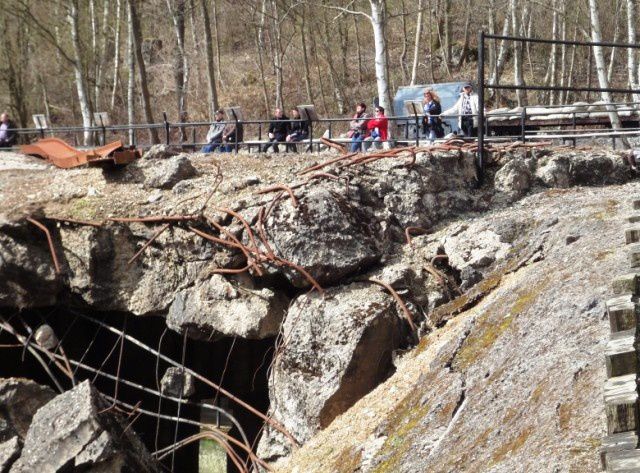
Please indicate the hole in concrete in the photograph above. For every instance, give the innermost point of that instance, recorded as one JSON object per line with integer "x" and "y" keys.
{"x": 239, "y": 365}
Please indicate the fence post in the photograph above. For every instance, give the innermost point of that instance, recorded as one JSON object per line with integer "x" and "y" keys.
{"x": 480, "y": 159}
{"x": 523, "y": 119}
{"x": 166, "y": 128}
{"x": 310, "y": 126}
{"x": 417, "y": 128}
{"x": 235, "y": 135}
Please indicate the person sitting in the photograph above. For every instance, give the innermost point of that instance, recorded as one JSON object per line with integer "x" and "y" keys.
{"x": 214, "y": 136}
{"x": 377, "y": 129}
{"x": 232, "y": 134}
{"x": 431, "y": 122}
{"x": 298, "y": 131}
{"x": 358, "y": 127}
{"x": 278, "y": 130}
{"x": 8, "y": 135}
{"x": 466, "y": 108}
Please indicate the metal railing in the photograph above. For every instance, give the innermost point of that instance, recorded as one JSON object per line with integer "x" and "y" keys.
{"x": 482, "y": 37}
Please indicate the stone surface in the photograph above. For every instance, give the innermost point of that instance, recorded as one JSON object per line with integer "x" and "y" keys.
{"x": 178, "y": 383}
{"x": 338, "y": 348}
{"x": 326, "y": 234}
{"x": 19, "y": 400}
{"x": 76, "y": 429}
{"x": 160, "y": 152}
{"x": 231, "y": 307}
{"x": 166, "y": 174}
{"x": 514, "y": 178}
{"x": 9, "y": 453}
{"x": 513, "y": 383}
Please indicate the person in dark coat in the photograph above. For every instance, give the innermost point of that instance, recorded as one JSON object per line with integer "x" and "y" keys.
{"x": 278, "y": 130}
{"x": 8, "y": 135}
{"x": 431, "y": 122}
{"x": 298, "y": 131}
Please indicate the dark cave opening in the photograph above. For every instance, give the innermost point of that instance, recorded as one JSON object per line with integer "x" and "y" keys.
{"x": 238, "y": 365}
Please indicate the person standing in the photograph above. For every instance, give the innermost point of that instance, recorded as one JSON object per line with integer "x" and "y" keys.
{"x": 431, "y": 122}
{"x": 467, "y": 110}
{"x": 358, "y": 127}
{"x": 8, "y": 134}
{"x": 278, "y": 130}
{"x": 377, "y": 129}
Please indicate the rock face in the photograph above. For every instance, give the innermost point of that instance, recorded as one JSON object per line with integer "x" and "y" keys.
{"x": 233, "y": 307}
{"x": 326, "y": 234}
{"x": 338, "y": 348}
{"x": 75, "y": 429}
{"x": 19, "y": 401}
{"x": 166, "y": 174}
{"x": 178, "y": 383}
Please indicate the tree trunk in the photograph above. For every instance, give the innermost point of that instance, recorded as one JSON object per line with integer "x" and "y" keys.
{"x": 180, "y": 68}
{"x": 83, "y": 99}
{"x": 305, "y": 54}
{"x": 358, "y": 50}
{"x": 632, "y": 61}
{"x": 616, "y": 33}
{"x": 465, "y": 44}
{"x": 131, "y": 81}
{"x": 518, "y": 78}
{"x": 563, "y": 53}
{"x": 378, "y": 23}
{"x": 217, "y": 35}
{"x": 261, "y": 47}
{"x": 276, "y": 45}
{"x": 596, "y": 36}
{"x": 335, "y": 80}
{"x": 494, "y": 78}
{"x": 142, "y": 70}
{"x": 211, "y": 73}
{"x": 550, "y": 77}
{"x": 416, "y": 43}
{"x": 405, "y": 45}
{"x": 116, "y": 55}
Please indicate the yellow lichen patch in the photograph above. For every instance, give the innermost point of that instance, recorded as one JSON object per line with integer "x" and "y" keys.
{"x": 402, "y": 422}
{"x": 348, "y": 460}
{"x": 510, "y": 447}
{"x": 609, "y": 210}
{"x": 536, "y": 395}
{"x": 487, "y": 330}
{"x": 83, "y": 209}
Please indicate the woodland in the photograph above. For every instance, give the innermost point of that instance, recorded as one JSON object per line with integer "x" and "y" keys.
{"x": 136, "y": 59}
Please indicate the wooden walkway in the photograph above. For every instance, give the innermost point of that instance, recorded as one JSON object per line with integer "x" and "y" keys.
{"x": 620, "y": 452}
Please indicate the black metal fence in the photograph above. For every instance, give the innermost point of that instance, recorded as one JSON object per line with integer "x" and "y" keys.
{"x": 482, "y": 85}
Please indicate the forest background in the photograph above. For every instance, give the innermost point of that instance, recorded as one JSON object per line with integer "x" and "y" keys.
{"x": 138, "y": 58}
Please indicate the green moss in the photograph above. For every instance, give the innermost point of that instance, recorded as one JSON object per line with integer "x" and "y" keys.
{"x": 84, "y": 209}
{"x": 403, "y": 423}
{"x": 487, "y": 330}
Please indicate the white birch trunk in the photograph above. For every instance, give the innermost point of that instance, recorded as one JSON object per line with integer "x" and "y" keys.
{"x": 116, "y": 54}
{"x": 83, "y": 99}
{"x": 596, "y": 36}
{"x": 502, "y": 52}
{"x": 378, "y": 20}
{"x": 277, "y": 52}
{"x": 131, "y": 82}
{"x": 632, "y": 59}
{"x": 416, "y": 44}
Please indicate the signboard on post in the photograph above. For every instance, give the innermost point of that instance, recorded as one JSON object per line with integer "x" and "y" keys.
{"x": 101, "y": 119}
{"x": 308, "y": 113}
{"x": 40, "y": 121}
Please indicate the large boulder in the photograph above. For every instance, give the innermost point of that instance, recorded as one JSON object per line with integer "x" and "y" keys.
{"x": 231, "y": 307}
{"x": 167, "y": 173}
{"x": 19, "y": 400}
{"x": 77, "y": 428}
{"x": 514, "y": 178}
{"x": 554, "y": 171}
{"x": 339, "y": 347}
{"x": 327, "y": 234}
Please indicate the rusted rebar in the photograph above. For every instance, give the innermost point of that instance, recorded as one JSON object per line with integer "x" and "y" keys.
{"x": 398, "y": 299}
{"x": 151, "y": 240}
{"x": 52, "y": 250}
{"x": 415, "y": 230}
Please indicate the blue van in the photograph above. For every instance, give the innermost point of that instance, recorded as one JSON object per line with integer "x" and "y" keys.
{"x": 449, "y": 93}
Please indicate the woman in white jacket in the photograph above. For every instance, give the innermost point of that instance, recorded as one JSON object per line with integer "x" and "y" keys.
{"x": 467, "y": 110}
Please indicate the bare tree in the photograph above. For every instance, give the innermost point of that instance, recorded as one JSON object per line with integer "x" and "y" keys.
{"x": 180, "y": 66}
{"x": 416, "y": 43}
{"x": 211, "y": 77}
{"x": 596, "y": 37}
{"x": 116, "y": 54}
{"x": 142, "y": 70}
{"x": 632, "y": 58}
{"x": 78, "y": 68}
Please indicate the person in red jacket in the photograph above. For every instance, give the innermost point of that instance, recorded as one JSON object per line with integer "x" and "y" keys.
{"x": 377, "y": 129}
